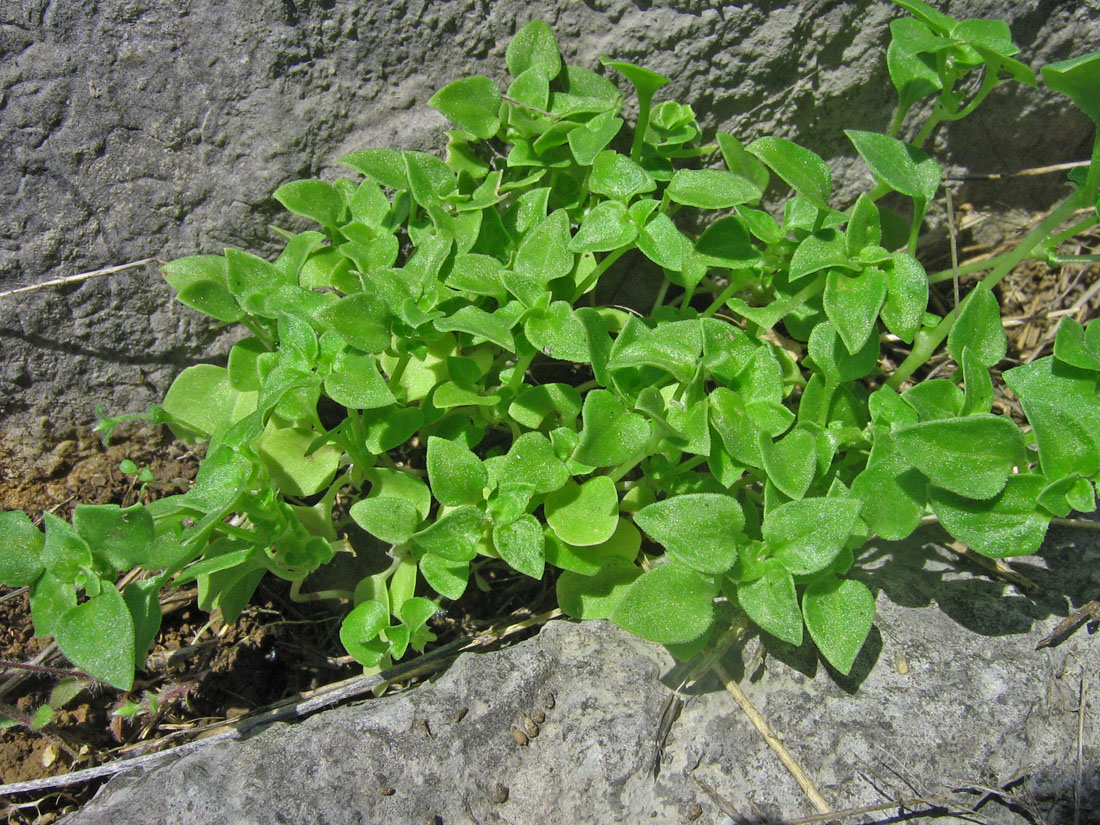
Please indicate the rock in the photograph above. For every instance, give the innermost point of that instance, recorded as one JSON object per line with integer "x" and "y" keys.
{"x": 949, "y": 692}
{"x": 137, "y": 129}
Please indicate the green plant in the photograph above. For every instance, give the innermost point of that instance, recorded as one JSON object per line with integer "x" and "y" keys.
{"x": 433, "y": 366}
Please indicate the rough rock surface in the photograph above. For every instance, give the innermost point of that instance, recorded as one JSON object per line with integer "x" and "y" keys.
{"x": 140, "y": 128}
{"x": 949, "y": 692}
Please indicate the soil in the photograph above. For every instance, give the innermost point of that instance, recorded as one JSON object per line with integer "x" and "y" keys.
{"x": 279, "y": 647}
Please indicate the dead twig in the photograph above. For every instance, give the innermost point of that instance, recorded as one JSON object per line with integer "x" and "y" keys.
{"x": 83, "y": 276}
{"x": 1065, "y": 628}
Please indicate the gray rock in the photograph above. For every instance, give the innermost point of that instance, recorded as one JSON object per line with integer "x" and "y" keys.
{"x": 949, "y": 692}
{"x": 141, "y": 128}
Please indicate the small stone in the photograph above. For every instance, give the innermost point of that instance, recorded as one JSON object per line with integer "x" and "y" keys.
{"x": 499, "y": 794}
{"x": 459, "y": 715}
{"x": 538, "y": 716}
{"x": 386, "y": 790}
{"x": 694, "y": 811}
{"x": 519, "y": 736}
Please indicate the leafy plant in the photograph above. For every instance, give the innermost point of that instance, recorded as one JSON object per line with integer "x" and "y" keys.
{"x": 432, "y": 364}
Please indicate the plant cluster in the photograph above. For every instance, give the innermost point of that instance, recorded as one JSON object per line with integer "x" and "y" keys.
{"x": 430, "y": 383}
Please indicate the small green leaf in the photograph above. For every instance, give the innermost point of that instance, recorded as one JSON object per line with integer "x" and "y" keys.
{"x": 833, "y": 358}
{"x": 356, "y": 383}
{"x": 544, "y": 253}
{"x": 201, "y": 401}
{"x": 532, "y": 406}
{"x": 453, "y": 536}
{"x": 392, "y": 520}
{"x": 21, "y": 545}
{"x": 979, "y": 386}
{"x": 456, "y": 475}
{"x": 534, "y": 46}
{"x": 791, "y": 461}
{"x": 645, "y": 81}
{"x": 892, "y": 495}
{"x": 1078, "y": 79}
{"x": 610, "y": 434}
{"x": 902, "y": 167}
{"x": 661, "y": 242}
{"x": 294, "y": 466}
{"x": 772, "y": 603}
{"x": 589, "y": 140}
{"x": 1078, "y": 346}
{"x": 445, "y": 577}
{"x": 98, "y": 637}
{"x": 980, "y": 328}
{"x": 645, "y": 607}
{"x": 314, "y": 199}
{"x": 824, "y": 249}
{"x": 805, "y": 536}
{"x": 360, "y": 319}
{"x": 64, "y": 552}
{"x": 852, "y": 303}
{"x": 741, "y": 162}
{"x": 359, "y": 632}
{"x": 386, "y": 166}
{"x": 864, "y": 227}
{"x": 472, "y": 102}
{"x": 803, "y": 170}
{"x": 531, "y": 460}
{"x": 711, "y": 189}
{"x": 839, "y": 614}
{"x": 521, "y": 544}
{"x": 605, "y": 228}
{"x": 124, "y": 537}
{"x": 1010, "y": 524}
{"x": 596, "y": 596}
{"x": 971, "y": 456}
{"x": 906, "y": 296}
{"x": 584, "y": 514}
{"x": 617, "y": 176}
{"x": 50, "y": 599}
{"x": 699, "y": 530}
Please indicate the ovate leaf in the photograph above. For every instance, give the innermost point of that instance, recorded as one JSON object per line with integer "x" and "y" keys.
{"x": 669, "y": 604}
{"x": 805, "y": 536}
{"x": 839, "y": 614}
{"x": 697, "y": 529}
{"x": 98, "y": 637}
{"x": 1010, "y": 524}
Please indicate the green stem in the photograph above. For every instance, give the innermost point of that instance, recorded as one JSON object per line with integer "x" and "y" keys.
{"x": 662, "y": 291}
{"x": 925, "y": 345}
{"x": 600, "y": 269}
{"x": 645, "y": 104}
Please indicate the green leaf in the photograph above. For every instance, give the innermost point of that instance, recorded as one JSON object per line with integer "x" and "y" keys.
{"x": 979, "y": 327}
{"x": 935, "y": 398}
{"x": 661, "y": 242}
{"x": 911, "y": 61}
{"x": 447, "y": 578}
{"x": 852, "y": 303}
{"x": 456, "y": 475}
{"x": 605, "y": 228}
{"x": 824, "y": 249}
{"x": 21, "y": 545}
{"x": 356, "y": 383}
{"x": 50, "y": 599}
{"x": 864, "y": 226}
{"x": 361, "y": 319}
{"x": 386, "y": 166}
{"x": 790, "y": 462}
{"x": 971, "y": 456}
{"x": 201, "y": 402}
{"x": 610, "y": 434}
{"x": 617, "y": 176}
{"x": 726, "y": 243}
{"x": 359, "y": 632}
{"x": 805, "y": 536}
{"x": 803, "y": 170}
{"x": 772, "y": 603}
{"x": 741, "y": 162}
{"x": 1078, "y": 346}
{"x": 534, "y": 46}
{"x": 544, "y": 253}
{"x": 645, "y": 607}
{"x": 839, "y": 614}
{"x": 1078, "y": 79}
{"x": 892, "y": 495}
{"x": 906, "y": 296}
{"x": 584, "y": 514}
{"x": 833, "y": 358}
{"x": 531, "y": 460}
{"x": 711, "y": 189}
{"x": 589, "y": 140}
{"x": 521, "y": 544}
{"x": 453, "y": 536}
{"x": 1010, "y": 524}
{"x": 98, "y": 637}
{"x": 901, "y": 166}
{"x": 390, "y": 519}
{"x": 294, "y": 466}
{"x": 124, "y": 537}
{"x": 478, "y": 322}
{"x": 596, "y": 596}
{"x": 645, "y": 81}
{"x": 472, "y": 102}
{"x": 143, "y": 601}
{"x": 698, "y": 530}
{"x": 1063, "y": 407}
{"x": 979, "y": 386}
{"x": 64, "y": 552}
{"x": 313, "y": 199}
{"x": 532, "y": 406}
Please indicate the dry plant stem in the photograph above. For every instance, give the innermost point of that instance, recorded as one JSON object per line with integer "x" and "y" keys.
{"x": 761, "y": 724}
{"x": 72, "y": 279}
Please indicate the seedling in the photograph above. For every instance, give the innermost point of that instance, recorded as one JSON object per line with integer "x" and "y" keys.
{"x": 436, "y": 362}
